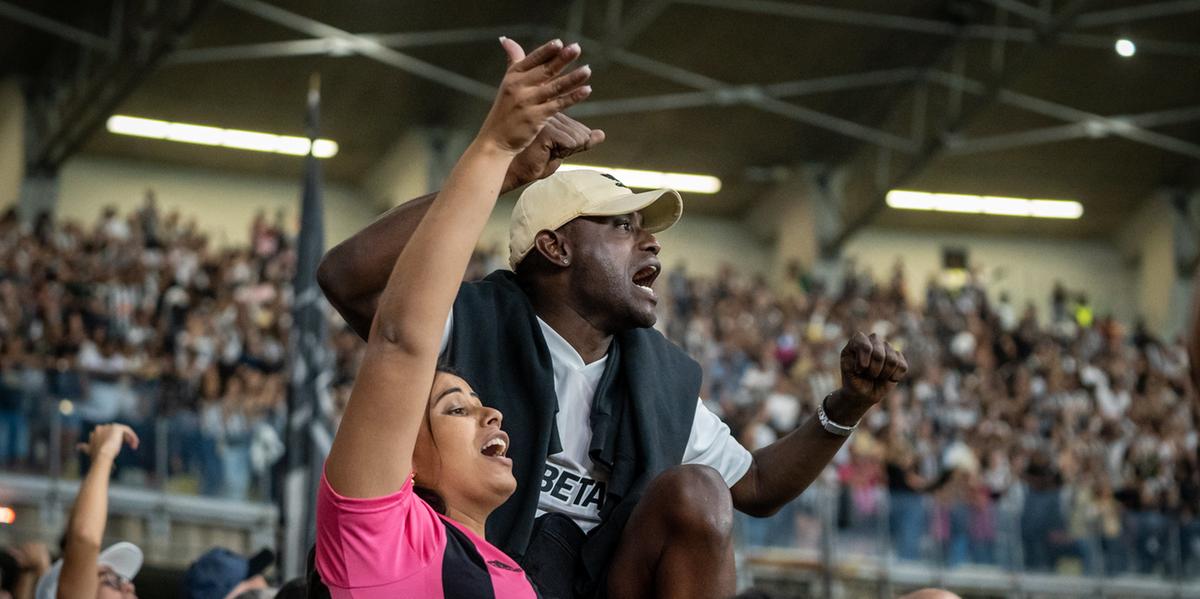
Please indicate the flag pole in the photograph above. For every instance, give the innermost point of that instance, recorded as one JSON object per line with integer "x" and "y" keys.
{"x": 311, "y": 367}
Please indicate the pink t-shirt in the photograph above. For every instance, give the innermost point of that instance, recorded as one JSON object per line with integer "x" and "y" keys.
{"x": 398, "y": 546}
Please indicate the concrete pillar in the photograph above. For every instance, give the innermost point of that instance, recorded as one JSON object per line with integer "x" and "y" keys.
{"x": 801, "y": 213}
{"x": 415, "y": 165}
{"x": 1160, "y": 244}
{"x": 39, "y": 194}
{"x": 12, "y": 142}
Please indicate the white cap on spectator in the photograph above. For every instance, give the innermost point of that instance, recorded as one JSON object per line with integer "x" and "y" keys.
{"x": 124, "y": 558}
{"x": 564, "y": 196}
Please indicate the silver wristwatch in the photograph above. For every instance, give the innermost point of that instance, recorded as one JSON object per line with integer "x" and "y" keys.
{"x": 830, "y": 426}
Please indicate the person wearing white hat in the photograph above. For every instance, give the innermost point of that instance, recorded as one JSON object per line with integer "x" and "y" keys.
{"x": 85, "y": 571}
{"x": 116, "y": 567}
{"x": 609, "y": 434}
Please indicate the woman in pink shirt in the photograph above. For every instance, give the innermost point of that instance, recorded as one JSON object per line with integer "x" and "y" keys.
{"x": 412, "y": 434}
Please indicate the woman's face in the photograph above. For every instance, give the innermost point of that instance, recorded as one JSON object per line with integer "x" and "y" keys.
{"x": 460, "y": 453}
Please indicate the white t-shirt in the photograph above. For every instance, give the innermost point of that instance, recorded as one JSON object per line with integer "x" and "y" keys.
{"x": 571, "y": 484}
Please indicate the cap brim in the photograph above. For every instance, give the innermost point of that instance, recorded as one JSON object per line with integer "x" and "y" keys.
{"x": 124, "y": 558}
{"x": 660, "y": 208}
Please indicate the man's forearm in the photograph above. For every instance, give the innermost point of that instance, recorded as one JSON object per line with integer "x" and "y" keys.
{"x": 784, "y": 469}
{"x": 355, "y": 271}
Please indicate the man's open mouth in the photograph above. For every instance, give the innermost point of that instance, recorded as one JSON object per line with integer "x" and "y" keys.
{"x": 645, "y": 277}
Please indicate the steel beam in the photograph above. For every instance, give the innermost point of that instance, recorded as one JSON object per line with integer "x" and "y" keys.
{"x": 1078, "y": 130}
{"x": 1144, "y": 46}
{"x": 751, "y": 97}
{"x": 831, "y": 15}
{"x": 724, "y": 96}
{"x": 990, "y": 91}
{"x": 1023, "y": 35}
{"x": 1020, "y": 8}
{"x": 333, "y": 46}
{"x": 366, "y": 47}
{"x": 1100, "y": 125}
{"x": 1142, "y": 11}
{"x": 62, "y": 123}
{"x": 636, "y": 24}
{"x": 53, "y": 27}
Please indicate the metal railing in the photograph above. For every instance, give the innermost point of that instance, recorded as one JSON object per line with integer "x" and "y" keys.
{"x": 830, "y": 543}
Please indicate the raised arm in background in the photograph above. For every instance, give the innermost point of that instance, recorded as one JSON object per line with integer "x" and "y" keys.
{"x": 372, "y": 451}
{"x": 85, "y": 530}
{"x": 353, "y": 273}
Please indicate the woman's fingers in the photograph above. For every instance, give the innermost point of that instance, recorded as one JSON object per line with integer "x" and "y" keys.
{"x": 566, "y": 101}
{"x": 513, "y": 51}
{"x": 562, "y": 84}
{"x": 522, "y": 63}
{"x": 558, "y": 62}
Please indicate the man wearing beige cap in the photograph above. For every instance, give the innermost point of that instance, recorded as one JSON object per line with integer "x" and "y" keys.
{"x": 626, "y": 483}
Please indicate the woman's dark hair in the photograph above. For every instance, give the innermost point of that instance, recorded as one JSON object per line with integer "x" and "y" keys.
{"x": 431, "y": 497}
{"x": 425, "y": 493}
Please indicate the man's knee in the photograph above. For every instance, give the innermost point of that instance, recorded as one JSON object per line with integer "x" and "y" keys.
{"x": 931, "y": 594}
{"x": 694, "y": 501}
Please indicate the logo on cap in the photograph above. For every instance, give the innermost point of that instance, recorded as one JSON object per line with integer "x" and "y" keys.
{"x": 615, "y": 180}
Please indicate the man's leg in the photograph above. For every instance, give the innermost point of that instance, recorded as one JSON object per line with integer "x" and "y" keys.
{"x": 679, "y": 540}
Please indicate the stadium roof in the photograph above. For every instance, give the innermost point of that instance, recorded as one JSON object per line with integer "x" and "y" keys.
{"x": 1001, "y": 97}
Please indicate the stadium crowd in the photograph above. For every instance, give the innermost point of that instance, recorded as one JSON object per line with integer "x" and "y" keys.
{"x": 140, "y": 319}
{"x": 1071, "y": 434}
{"x": 1016, "y": 441}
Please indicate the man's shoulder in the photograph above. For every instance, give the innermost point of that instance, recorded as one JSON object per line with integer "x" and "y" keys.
{"x": 493, "y": 299}
{"x": 495, "y": 283}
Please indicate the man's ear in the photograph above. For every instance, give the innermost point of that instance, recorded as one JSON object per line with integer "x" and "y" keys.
{"x": 554, "y": 247}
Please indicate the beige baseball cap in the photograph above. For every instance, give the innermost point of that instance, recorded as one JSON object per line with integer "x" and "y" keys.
{"x": 564, "y": 196}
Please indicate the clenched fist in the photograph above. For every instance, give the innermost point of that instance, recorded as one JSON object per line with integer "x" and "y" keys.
{"x": 870, "y": 370}
{"x": 562, "y": 136}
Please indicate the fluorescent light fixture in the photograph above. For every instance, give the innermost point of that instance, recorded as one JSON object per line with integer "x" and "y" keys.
{"x": 655, "y": 179}
{"x": 996, "y": 205}
{"x": 215, "y": 136}
{"x": 1125, "y": 47}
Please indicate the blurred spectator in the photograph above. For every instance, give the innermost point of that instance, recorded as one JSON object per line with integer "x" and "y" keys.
{"x": 223, "y": 574}
{"x": 20, "y": 569}
{"x": 138, "y": 319}
{"x": 1054, "y": 437}
{"x": 1072, "y": 434}
{"x": 85, "y": 571}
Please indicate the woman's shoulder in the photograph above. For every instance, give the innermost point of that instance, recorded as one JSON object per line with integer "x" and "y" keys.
{"x": 376, "y": 540}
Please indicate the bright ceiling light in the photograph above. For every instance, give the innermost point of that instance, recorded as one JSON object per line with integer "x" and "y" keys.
{"x": 655, "y": 179}
{"x": 994, "y": 205}
{"x": 1125, "y": 47}
{"x": 215, "y": 136}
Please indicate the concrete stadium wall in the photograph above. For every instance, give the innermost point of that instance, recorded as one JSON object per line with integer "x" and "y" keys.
{"x": 12, "y": 142}
{"x": 223, "y": 204}
{"x": 1025, "y": 267}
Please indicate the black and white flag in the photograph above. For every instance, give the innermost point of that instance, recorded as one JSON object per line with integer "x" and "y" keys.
{"x": 310, "y": 405}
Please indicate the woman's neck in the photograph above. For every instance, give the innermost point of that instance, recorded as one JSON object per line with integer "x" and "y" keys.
{"x": 474, "y": 520}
